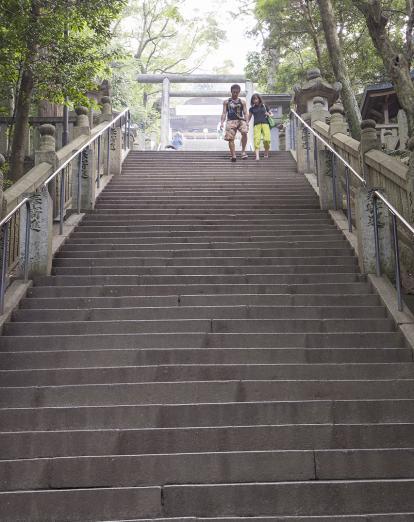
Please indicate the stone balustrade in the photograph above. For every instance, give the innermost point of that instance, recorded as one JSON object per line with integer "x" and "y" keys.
{"x": 49, "y": 203}
{"x": 393, "y": 178}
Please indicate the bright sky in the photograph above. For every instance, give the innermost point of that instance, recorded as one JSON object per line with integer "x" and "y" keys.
{"x": 238, "y": 44}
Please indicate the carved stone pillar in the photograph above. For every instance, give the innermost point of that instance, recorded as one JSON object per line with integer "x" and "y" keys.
{"x": 41, "y": 233}
{"x": 106, "y": 109}
{"x": 364, "y": 216}
{"x": 314, "y": 88}
{"x": 82, "y": 127}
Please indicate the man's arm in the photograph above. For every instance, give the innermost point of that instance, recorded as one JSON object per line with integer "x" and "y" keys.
{"x": 224, "y": 113}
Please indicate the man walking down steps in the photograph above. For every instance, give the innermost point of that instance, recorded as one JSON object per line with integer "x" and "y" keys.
{"x": 205, "y": 349}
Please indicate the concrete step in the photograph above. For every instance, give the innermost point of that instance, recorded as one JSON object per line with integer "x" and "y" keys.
{"x": 107, "y": 357}
{"x": 127, "y": 326}
{"x": 195, "y": 392}
{"x": 203, "y": 372}
{"x": 233, "y": 300}
{"x": 187, "y": 271}
{"x": 153, "y": 441}
{"x": 188, "y": 253}
{"x": 199, "y": 312}
{"x": 297, "y": 498}
{"x": 227, "y": 261}
{"x": 108, "y": 290}
{"x": 346, "y": 411}
{"x": 199, "y": 280}
{"x": 205, "y": 468}
{"x": 80, "y": 505}
{"x": 336, "y": 242}
{"x": 171, "y": 340}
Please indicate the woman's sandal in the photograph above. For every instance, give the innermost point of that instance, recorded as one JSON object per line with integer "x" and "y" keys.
{"x": 245, "y": 156}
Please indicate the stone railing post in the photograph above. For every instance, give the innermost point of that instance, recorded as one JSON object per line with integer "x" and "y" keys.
{"x": 410, "y": 180}
{"x": 282, "y": 139}
{"x": 330, "y": 170}
{"x": 364, "y": 215}
{"x": 2, "y": 202}
{"x": 88, "y": 167}
{"x": 41, "y": 207}
{"x": 322, "y": 158}
{"x": 106, "y": 109}
{"x": 302, "y": 142}
{"x": 115, "y": 139}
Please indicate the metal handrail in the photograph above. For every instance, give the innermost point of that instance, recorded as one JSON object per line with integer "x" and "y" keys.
{"x": 4, "y": 222}
{"x": 85, "y": 146}
{"x": 375, "y": 195}
{"x": 13, "y": 212}
{"x": 392, "y": 209}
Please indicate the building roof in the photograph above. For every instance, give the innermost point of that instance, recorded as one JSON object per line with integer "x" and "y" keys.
{"x": 379, "y": 91}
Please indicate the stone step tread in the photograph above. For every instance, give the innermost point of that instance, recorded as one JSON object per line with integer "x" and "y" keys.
{"x": 171, "y": 340}
{"x": 321, "y": 411}
{"x": 136, "y": 470}
{"x": 331, "y": 300}
{"x": 89, "y": 313}
{"x": 100, "y": 289}
{"x": 196, "y": 392}
{"x": 90, "y": 442}
{"x": 56, "y": 375}
{"x": 31, "y": 358}
{"x": 225, "y": 325}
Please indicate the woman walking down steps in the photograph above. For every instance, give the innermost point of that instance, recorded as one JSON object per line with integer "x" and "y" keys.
{"x": 260, "y": 113}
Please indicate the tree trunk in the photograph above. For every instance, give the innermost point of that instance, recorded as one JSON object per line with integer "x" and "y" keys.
{"x": 20, "y": 128}
{"x": 23, "y": 103}
{"x": 395, "y": 62}
{"x": 352, "y": 111}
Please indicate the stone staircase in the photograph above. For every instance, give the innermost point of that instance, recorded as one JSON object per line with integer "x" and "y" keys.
{"x": 205, "y": 349}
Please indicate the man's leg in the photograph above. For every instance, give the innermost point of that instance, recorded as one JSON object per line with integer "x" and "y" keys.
{"x": 231, "y": 130}
{"x": 232, "y": 148}
{"x": 243, "y": 128}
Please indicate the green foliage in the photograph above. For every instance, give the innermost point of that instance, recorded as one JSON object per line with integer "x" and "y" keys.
{"x": 32, "y": 36}
{"x": 293, "y": 28}
{"x": 157, "y": 38}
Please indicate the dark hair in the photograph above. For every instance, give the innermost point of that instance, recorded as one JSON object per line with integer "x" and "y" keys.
{"x": 235, "y": 86}
{"x": 255, "y": 95}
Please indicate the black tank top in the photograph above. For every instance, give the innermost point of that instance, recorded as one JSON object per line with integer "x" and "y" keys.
{"x": 235, "y": 109}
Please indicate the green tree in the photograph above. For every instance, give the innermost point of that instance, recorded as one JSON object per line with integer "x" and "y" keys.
{"x": 391, "y": 27}
{"x": 294, "y": 30}
{"x": 158, "y": 39}
{"x": 37, "y": 61}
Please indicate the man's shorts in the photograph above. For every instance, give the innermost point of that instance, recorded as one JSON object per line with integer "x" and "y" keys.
{"x": 233, "y": 126}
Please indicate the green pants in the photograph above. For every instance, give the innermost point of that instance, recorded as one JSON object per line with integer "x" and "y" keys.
{"x": 261, "y": 129}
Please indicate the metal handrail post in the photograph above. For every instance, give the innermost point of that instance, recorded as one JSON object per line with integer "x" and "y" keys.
{"x": 27, "y": 241}
{"x": 376, "y": 236}
{"x": 334, "y": 194}
{"x": 62, "y": 201}
{"x": 79, "y": 187}
{"x": 5, "y": 258}
{"x": 397, "y": 262}
{"x": 348, "y": 199}
{"x": 98, "y": 179}
{"x": 307, "y": 145}
{"x": 125, "y": 133}
{"x": 108, "y": 153}
{"x": 315, "y": 159}
{"x": 129, "y": 127}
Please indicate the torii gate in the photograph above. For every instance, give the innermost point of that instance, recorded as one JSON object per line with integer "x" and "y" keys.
{"x": 167, "y": 79}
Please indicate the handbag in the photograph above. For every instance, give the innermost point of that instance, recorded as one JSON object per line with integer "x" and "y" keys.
{"x": 271, "y": 121}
